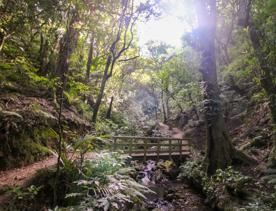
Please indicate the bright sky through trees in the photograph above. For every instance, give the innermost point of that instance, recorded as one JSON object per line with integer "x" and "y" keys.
{"x": 170, "y": 27}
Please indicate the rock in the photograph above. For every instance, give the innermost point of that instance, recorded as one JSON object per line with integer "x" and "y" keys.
{"x": 170, "y": 197}
{"x": 254, "y": 152}
{"x": 173, "y": 173}
{"x": 258, "y": 141}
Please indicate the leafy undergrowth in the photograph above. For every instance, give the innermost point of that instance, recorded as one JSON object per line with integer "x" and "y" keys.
{"x": 104, "y": 183}
{"x": 228, "y": 189}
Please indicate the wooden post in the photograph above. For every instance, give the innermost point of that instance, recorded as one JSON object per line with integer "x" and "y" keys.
{"x": 180, "y": 142}
{"x": 130, "y": 147}
{"x": 158, "y": 149}
{"x": 170, "y": 148}
{"x": 145, "y": 149}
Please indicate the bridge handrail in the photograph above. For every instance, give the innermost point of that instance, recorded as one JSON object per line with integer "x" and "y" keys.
{"x": 128, "y": 141}
{"x": 149, "y": 138}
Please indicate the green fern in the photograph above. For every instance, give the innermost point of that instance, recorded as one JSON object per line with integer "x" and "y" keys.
{"x": 114, "y": 194}
{"x": 106, "y": 184}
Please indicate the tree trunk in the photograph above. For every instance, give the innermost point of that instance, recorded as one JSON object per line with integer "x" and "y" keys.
{"x": 194, "y": 109}
{"x": 219, "y": 152}
{"x": 89, "y": 59}
{"x": 42, "y": 54}
{"x": 101, "y": 93}
{"x": 66, "y": 48}
{"x": 167, "y": 103}
{"x": 108, "y": 113}
{"x": 163, "y": 107}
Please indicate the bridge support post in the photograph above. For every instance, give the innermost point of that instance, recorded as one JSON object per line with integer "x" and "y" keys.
{"x": 170, "y": 149}
{"x": 130, "y": 147}
{"x": 145, "y": 150}
{"x": 158, "y": 149}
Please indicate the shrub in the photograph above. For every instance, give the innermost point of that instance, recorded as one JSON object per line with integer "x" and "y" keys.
{"x": 219, "y": 189}
{"x": 228, "y": 180}
{"x": 193, "y": 172}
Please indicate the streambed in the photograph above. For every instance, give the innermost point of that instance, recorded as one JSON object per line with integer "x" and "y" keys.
{"x": 171, "y": 194}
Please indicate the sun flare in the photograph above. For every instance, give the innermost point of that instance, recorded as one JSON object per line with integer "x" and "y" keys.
{"x": 170, "y": 27}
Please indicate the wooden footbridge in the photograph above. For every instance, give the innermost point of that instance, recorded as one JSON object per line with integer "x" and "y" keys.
{"x": 152, "y": 147}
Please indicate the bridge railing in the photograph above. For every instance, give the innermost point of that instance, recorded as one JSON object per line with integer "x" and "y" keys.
{"x": 151, "y": 146}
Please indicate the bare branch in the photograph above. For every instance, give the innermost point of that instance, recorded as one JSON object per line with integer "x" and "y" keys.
{"x": 128, "y": 59}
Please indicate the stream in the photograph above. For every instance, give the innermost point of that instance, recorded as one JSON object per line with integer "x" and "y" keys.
{"x": 171, "y": 194}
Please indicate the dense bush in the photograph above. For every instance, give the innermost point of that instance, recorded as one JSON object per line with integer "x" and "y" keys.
{"x": 225, "y": 188}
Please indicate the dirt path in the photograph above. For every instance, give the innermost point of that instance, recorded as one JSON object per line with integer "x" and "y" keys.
{"x": 18, "y": 176}
{"x": 21, "y": 176}
{"x": 171, "y": 132}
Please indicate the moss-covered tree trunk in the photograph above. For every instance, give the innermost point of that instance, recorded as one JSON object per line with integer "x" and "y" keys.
{"x": 219, "y": 152}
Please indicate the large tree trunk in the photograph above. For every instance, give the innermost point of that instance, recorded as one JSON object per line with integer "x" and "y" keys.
{"x": 102, "y": 88}
{"x": 219, "y": 152}
{"x": 67, "y": 46}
